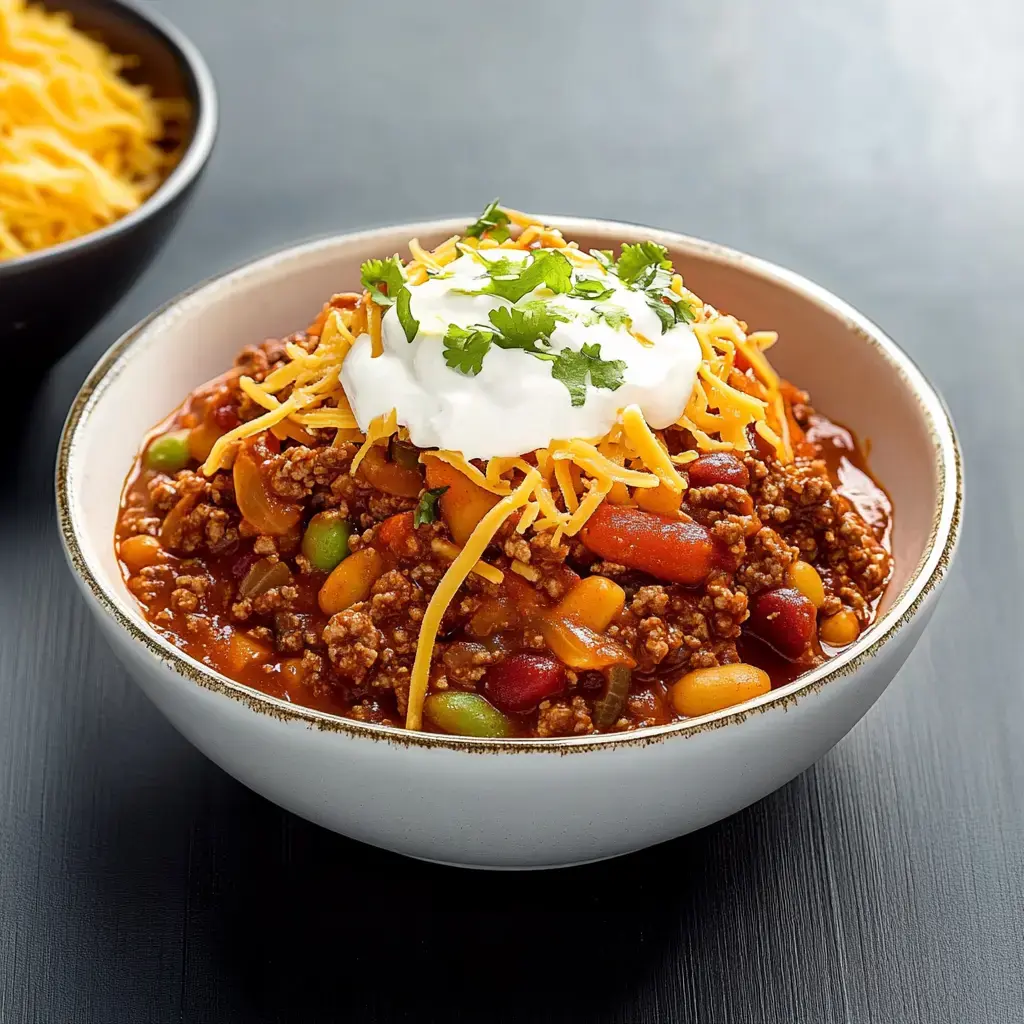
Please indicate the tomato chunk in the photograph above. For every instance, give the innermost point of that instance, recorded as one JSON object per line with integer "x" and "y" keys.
{"x": 678, "y": 550}
{"x": 396, "y": 532}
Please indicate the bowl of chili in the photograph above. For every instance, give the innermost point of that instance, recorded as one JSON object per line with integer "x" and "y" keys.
{"x": 272, "y": 607}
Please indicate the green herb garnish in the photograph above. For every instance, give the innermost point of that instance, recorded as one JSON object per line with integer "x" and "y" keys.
{"x": 388, "y": 273}
{"x": 645, "y": 267}
{"x": 590, "y": 288}
{"x": 670, "y": 313}
{"x": 426, "y": 510}
{"x": 524, "y": 327}
{"x": 613, "y": 315}
{"x": 639, "y": 264}
{"x": 493, "y": 222}
{"x": 409, "y": 324}
{"x": 512, "y": 279}
{"x": 573, "y": 368}
{"x": 465, "y": 348}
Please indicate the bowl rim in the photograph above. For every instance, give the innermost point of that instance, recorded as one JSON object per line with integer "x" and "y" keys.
{"x": 924, "y": 583}
{"x": 192, "y": 161}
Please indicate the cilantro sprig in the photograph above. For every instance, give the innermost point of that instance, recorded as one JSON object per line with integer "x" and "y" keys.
{"x": 525, "y": 327}
{"x": 590, "y": 288}
{"x": 639, "y": 264}
{"x": 409, "y": 323}
{"x": 426, "y": 510}
{"x": 645, "y": 267}
{"x": 385, "y": 281}
{"x": 614, "y": 315}
{"x": 529, "y": 329}
{"x": 465, "y": 348}
{"x": 512, "y": 279}
{"x": 574, "y": 369}
{"x": 493, "y": 222}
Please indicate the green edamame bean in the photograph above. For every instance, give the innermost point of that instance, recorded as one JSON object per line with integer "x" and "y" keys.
{"x": 465, "y": 714}
{"x": 169, "y": 452}
{"x": 325, "y": 542}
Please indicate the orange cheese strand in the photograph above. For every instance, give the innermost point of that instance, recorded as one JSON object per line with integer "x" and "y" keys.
{"x": 447, "y": 589}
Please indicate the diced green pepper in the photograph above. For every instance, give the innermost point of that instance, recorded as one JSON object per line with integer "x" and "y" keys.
{"x": 608, "y": 709}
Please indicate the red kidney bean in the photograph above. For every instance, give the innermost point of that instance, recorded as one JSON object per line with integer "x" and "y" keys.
{"x": 521, "y": 682}
{"x": 226, "y": 416}
{"x": 717, "y": 468}
{"x": 784, "y": 619}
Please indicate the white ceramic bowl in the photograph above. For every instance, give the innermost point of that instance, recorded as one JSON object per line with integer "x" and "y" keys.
{"x": 513, "y": 803}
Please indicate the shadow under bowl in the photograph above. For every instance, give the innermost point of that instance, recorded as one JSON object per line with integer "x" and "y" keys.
{"x": 514, "y": 803}
{"x": 51, "y": 298}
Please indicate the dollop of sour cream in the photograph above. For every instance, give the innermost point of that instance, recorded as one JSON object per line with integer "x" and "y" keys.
{"x": 514, "y": 405}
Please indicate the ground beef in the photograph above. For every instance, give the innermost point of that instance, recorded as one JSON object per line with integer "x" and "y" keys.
{"x": 466, "y": 663}
{"x": 297, "y": 472}
{"x": 564, "y": 718}
{"x": 767, "y": 558}
{"x": 362, "y": 657}
{"x": 353, "y": 643}
{"x": 187, "y": 593}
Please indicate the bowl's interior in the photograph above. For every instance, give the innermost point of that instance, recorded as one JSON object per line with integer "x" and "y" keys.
{"x": 853, "y": 374}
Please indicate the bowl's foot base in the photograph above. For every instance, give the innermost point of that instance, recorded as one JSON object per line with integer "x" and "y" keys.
{"x": 515, "y": 867}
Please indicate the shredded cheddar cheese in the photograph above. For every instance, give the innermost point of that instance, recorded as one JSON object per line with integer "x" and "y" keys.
{"x": 449, "y": 586}
{"x": 556, "y": 489}
{"x": 80, "y": 146}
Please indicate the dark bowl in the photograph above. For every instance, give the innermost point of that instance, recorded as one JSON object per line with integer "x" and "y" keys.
{"x": 51, "y": 298}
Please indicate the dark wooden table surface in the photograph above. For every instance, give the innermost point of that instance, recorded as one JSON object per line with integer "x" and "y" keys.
{"x": 876, "y": 147}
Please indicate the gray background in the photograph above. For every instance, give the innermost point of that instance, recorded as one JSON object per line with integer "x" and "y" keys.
{"x": 875, "y": 147}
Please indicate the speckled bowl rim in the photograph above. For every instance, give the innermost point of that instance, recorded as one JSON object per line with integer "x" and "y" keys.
{"x": 193, "y": 160}
{"x": 926, "y": 579}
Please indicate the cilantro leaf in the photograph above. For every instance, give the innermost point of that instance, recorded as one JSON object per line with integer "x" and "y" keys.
{"x": 493, "y": 222}
{"x": 574, "y": 368}
{"x": 604, "y": 257}
{"x": 560, "y": 313}
{"x": 639, "y": 263}
{"x": 666, "y": 314}
{"x": 684, "y": 312}
{"x": 426, "y": 510}
{"x": 409, "y": 324}
{"x": 514, "y": 279}
{"x": 388, "y": 273}
{"x": 613, "y": 315}
{"x": 524, "y": 327}
{"x": 675, "y": 311}
{"x": 465, "y": 348}
{"x": 645, "y": 267}
{"x": 590, "y": 288}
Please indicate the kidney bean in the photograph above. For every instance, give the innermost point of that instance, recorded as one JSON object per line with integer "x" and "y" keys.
{"x": 784, "y": 619}
{"x": 226, "y": 416}
{"x": 521, "y": 682}
{"x": 717, "y": 468}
